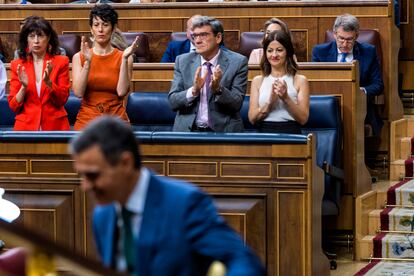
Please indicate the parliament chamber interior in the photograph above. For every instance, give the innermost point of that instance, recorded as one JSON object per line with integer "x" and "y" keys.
{"x": 289, "y": 197}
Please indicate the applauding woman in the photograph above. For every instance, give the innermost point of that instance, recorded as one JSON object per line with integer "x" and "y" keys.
{"x": 279, "y": 100}
{"x": 39, "y": 85}
{"x": 101, "y": 74}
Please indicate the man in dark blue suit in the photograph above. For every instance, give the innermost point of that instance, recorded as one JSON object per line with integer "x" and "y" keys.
{"x": 146, "y": 224}
{"x": 176, "y": 48}
{"x": 345, "y": 48}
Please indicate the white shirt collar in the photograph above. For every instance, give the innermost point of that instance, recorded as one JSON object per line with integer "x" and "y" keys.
{"x": 350, "y": 53}
{"x": 136, "y": 201}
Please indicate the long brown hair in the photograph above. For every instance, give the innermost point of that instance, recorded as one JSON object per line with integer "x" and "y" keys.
{"x": 284, "y": 39}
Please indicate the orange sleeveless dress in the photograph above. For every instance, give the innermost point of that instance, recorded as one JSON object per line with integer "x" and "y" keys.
{"x": 100, "y": 96}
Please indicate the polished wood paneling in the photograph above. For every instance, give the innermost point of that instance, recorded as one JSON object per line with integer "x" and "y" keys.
{"x": 247, "y": 215}
{"x": 324, "y": 79}
{"x": 271, "y": 214}
{"x": 159, "y": 20}
{"x": 49, "y": 212}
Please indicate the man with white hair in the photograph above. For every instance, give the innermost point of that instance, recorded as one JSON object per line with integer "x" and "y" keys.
{"x": 346, "y": 48}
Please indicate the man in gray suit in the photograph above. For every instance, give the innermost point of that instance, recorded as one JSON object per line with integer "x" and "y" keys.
{"x": 209, "y": 85}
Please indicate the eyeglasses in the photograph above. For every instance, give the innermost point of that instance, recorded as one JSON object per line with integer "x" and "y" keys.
{"x": 202, "y": 35}
{"x": 345, "y": 39}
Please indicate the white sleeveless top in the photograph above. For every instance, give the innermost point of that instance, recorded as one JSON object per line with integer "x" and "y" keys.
{"x": 279, "y": 112}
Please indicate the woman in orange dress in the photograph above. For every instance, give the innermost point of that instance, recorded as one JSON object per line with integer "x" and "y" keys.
{"x": 101, "y": 74}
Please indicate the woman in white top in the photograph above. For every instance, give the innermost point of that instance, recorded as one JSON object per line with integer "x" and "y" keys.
{"x": 279, "y": 98}
{"x": 273, "y": 24}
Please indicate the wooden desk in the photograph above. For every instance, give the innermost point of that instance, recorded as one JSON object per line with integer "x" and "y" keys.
{"x": 269, "y": 193}
{"x": 325, "y": 79}
{"x": 308, "y": 21}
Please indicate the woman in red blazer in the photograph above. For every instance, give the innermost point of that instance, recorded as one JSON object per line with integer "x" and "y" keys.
{"x": 39, "y": 85}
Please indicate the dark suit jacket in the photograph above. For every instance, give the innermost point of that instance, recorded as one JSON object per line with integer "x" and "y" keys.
{"x": 224, "y": 109}
{"x": 174, "y": 49}
{"x": 180, "y": 234}
{"x": 369, "y": 73}
{"x": 46, "y": 111}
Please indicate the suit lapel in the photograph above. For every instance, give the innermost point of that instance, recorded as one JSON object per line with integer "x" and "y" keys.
{"x": 31, "y": 75}
{"x": 223, "y": 61}
{"x": 43, "y": 97}
{"x": 195, "y": 62}
{"x": 151, "y": 225}
{"x": 109, "y": 239}
{"x": 356, "y": 52}
{"x": 333, "y": 53}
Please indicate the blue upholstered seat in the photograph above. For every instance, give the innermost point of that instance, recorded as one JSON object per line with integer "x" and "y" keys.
{"x": 6, "y": 115}
{"x": 325, "y": 121}
{"x": 150, "y": 111}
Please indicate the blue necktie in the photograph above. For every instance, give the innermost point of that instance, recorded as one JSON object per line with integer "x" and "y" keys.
{"x": 343, "y": 57}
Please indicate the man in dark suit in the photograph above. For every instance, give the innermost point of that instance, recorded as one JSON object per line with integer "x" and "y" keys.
{"x": 146, "y": 224}
{"x": 345, "y": 48}
{"x": 176, "y": 48}
{"x": 209, "y": 85}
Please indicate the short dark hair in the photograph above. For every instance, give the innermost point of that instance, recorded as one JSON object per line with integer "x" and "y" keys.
{"x": 215, "y": 25}
{"x": 104, "y": 12}
{"x": 113, "y": 136}
{"x": 38, "y": 25}
{"x": 284, "y": 39}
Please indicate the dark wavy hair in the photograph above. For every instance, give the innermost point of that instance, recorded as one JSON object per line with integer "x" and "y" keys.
{"x": 104, "y": 12}
{"x": 38, "y": 25}
{"x": 284, "y": 39}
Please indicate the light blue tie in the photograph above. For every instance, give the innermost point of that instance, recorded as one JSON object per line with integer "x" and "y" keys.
{"x": 343, "y": 57}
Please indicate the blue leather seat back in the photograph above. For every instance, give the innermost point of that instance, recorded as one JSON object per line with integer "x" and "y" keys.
{"x": 244, "y": 113}
{"x": 150, "y": 111}
{"x": 6, "y": 115}
{"x": 72, "y": 107}
{"x": 325, "y": 122}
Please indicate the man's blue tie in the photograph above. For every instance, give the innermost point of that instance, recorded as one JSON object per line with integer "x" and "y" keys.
{"x": 343, "y": 57}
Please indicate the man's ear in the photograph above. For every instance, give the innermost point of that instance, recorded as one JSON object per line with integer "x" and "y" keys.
{"x": 126, "y": 160}
{"x": 219, "y": 38}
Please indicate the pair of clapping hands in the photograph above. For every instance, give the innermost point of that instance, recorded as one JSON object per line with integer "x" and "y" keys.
{"x": 200, "y": 80}
{"x": 279, "y": 90}
{"x": 24, "y": 80}
{"x": 87, "y": 53}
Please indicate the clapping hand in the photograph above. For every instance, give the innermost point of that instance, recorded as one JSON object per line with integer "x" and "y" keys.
{"x": 85, "y": 50}
{"x": 215, "y": 83}
{"x": 22, "y": 75}
{"x": 46, "y": 74}
{"x": 280, "y": 88}
{"x": 130, "y": 50}
{"x": 198, "y": 81}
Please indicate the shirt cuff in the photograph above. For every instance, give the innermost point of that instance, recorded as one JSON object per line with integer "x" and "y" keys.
{"x": 189, "y": 95}
{"x": 364, "y": 90}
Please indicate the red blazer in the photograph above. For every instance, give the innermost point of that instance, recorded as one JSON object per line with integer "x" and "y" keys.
{"x": 46, "y": 112}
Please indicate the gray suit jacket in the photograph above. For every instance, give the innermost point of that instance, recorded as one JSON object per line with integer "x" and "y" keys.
{"x": 224, "y": 108}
